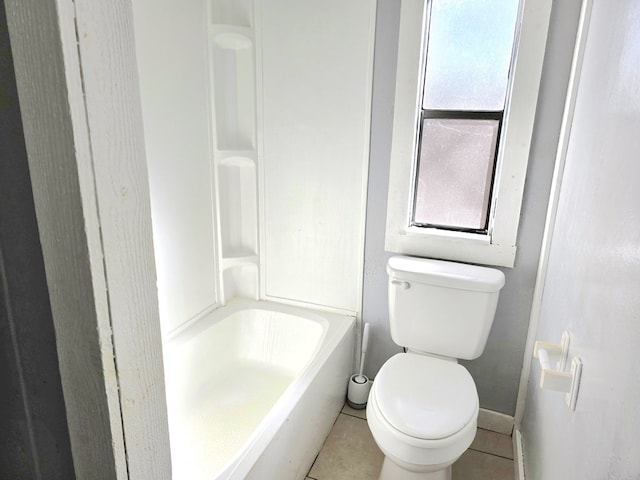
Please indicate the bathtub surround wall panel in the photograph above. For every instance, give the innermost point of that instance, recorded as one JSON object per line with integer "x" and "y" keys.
{"x": 592, "y": 281}
{"x": 497, "y": 371}
{"x": 316, "y": 95}
{"x": 171, "y": 46}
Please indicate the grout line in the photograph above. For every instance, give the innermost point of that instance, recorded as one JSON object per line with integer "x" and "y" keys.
{"x": 492, "y": 454}
{"x": 352, "y": 415}
{"x": 474, "y": 449}
{"x": 315, "y": 460}
{"x": 323, "y": 443}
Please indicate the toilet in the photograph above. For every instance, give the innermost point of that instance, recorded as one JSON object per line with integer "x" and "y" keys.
{"x": 423, "y": 406}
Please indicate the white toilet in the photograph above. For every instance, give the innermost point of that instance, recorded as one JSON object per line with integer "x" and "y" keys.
{"x": 423, "y": 406}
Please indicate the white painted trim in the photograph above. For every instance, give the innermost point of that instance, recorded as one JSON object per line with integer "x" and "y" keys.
{"x": 500, "y": 245}
{"x": 44, "y": 46}
{"x": 518, "y": 456}
{"x": 495, "y": 421}
{"x": 213, "y": 177}
{"x": 114, "y": 115}
{"x": 365, "y": 185}
{"x": 556, "y": 187}
{"x": 77, "y": 80}
{"x": 260, "y": 170}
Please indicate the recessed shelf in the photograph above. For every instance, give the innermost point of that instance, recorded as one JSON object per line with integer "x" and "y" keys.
{"x": 238, "y": 209}
{"x": 236, "y": 157}
{"x": 233, "y": 84}
{"x": 240, "y": 281}
{"x": 242, "y": 258}
{"x": 232, "y": 12}
{"x": 233, "y": 74}
{"x": 232, "y": 37}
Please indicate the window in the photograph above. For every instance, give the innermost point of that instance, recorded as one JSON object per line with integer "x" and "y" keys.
{"x": 466, "y": 90}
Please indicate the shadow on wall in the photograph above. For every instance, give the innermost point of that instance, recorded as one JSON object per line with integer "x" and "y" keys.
{"x": 34, "y": 440}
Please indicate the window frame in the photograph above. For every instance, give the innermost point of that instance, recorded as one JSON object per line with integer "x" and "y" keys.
{"x": 456, "y": 115}
{"x": 498, "y": 245}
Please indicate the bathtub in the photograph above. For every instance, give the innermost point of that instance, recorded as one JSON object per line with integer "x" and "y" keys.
{"x": 253, "y": 389}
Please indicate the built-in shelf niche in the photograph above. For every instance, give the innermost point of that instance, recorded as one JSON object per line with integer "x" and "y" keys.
{"x": 234, "y": 89}
{"x": 233, "y": 84}
{"x": 240, "y": 280}
{"x": 232, "y": 12}
{"x": 238, "y": 209}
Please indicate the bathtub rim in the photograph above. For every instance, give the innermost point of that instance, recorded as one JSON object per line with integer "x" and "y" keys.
{"x": 212, "y": 315}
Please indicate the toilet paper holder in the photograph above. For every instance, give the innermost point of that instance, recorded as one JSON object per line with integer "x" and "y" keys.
{"x": 553, "y": 376}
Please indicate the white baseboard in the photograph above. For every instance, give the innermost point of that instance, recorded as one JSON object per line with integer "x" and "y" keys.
{"x": 495, "y": 421}
{"x": 518, "y": 456}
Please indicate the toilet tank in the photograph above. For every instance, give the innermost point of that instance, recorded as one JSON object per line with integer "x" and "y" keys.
{"x": 443, "y": 308}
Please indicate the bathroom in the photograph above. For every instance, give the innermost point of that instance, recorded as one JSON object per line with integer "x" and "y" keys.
{"x": 585, "y": 282}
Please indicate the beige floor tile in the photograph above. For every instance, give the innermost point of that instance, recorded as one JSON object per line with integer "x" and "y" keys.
{"x": 349, "y": 453}
{"x": 347, "y": 410}
{"x": 494, "y": 443}
{"x": 475, "y": 465}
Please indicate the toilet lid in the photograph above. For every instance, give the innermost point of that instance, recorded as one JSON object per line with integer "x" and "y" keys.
{"x": 425, "y": 397}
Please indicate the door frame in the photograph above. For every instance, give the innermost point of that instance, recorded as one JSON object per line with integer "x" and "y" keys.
{"x": 78, "y": 89}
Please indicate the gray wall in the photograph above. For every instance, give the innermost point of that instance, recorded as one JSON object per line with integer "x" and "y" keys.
{"x": 592, "y": 286}
{"x": 497, "y": 371}
{"x": 34, "y": 440}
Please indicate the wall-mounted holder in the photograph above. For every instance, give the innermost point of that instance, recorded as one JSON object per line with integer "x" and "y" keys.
{"x": 556, "y": 378}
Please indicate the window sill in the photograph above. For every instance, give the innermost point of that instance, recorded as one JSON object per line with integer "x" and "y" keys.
{"x": 479, "y": 238}
{"x": 455, "y": 246}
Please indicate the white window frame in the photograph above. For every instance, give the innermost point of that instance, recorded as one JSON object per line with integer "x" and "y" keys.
{"x": 498, "y": 246}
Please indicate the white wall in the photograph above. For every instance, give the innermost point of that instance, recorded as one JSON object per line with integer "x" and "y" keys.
{"x": 171, "y": 47}
{"x": 316, "y": 96}
{"x": 497, "y": 371}
{"x": 592, "y": 286}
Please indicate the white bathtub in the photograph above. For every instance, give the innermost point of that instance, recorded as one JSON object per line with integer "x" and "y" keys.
{"x": 253, "y": 389}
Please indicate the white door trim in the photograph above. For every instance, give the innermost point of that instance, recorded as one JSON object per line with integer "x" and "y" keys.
{"x": 556, "y": 186}
{"x": 78, "y": 87}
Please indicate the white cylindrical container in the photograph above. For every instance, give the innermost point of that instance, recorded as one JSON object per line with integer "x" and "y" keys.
{"x": 358, "y": 393}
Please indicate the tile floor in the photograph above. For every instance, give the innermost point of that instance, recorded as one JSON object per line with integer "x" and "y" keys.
{"x": 350, "y": 453}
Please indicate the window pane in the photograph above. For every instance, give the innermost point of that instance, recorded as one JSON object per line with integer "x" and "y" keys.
{"x": 454, "y": 172}
{"x": 469, "y": 52}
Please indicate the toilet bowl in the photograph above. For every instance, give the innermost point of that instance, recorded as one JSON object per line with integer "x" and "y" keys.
{"x": 422, "y": 412}
{"x": 423, "y": 406}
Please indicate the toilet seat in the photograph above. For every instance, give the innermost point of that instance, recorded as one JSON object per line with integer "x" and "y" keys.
{"x": 411, "y": 386}
{"x": 411, "y": 453}
{"x": 425, "y": 397}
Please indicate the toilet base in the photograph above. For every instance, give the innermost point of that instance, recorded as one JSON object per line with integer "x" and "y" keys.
{"x": 391, "y": 471}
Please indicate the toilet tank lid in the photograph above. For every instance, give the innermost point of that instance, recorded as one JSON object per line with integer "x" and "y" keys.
{"x": 445, "y": 274}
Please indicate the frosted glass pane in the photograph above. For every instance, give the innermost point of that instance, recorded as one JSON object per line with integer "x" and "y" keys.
{"x": 469, "y": 52}
{"x": 454, "y": 173}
